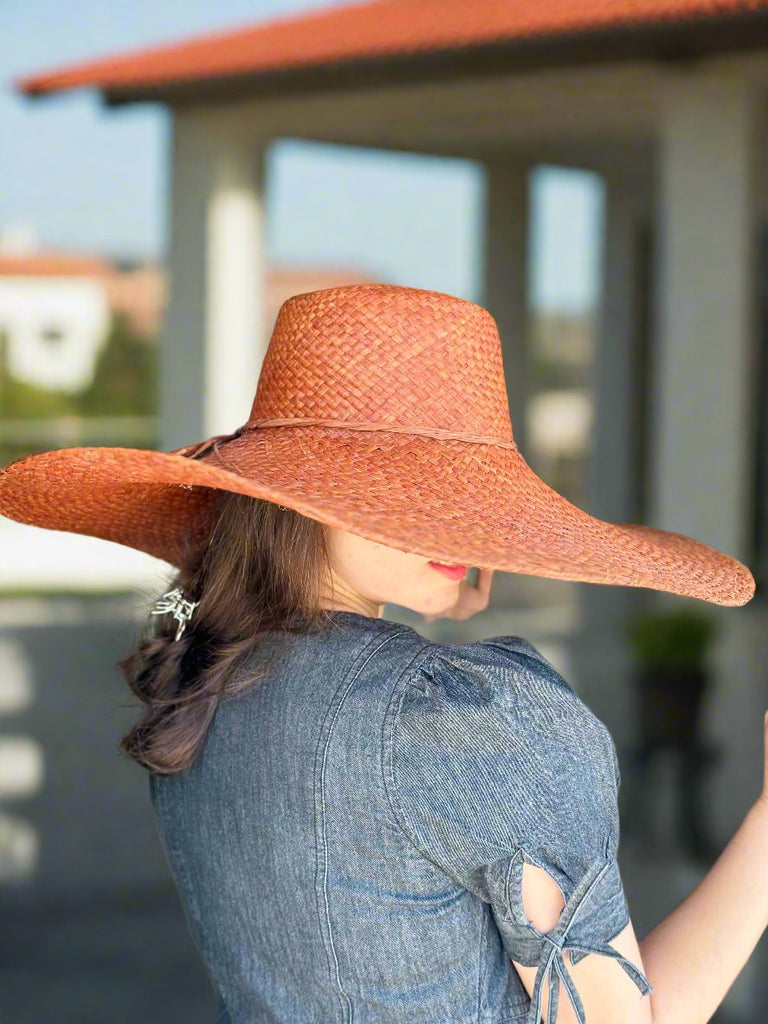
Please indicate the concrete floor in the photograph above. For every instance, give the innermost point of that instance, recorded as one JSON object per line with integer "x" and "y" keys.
{"x": 126, "y": 960}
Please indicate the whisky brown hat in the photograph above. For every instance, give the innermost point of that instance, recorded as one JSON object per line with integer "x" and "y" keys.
{"x": 382, "y": 410}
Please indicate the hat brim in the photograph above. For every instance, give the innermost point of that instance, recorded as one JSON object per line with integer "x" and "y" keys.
{"x": 452, "y": 501}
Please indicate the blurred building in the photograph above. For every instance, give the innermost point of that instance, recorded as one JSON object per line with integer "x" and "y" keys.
{"x": 54, "y": 315}
{"x": 56, "y": 308}
{"x": 56, "y": 311}
{"x": 664, "y": 102}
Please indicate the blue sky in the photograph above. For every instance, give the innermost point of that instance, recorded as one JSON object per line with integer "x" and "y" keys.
{"x": 92, "y": 179}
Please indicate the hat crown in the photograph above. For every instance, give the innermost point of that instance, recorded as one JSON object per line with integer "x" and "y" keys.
{"x": 386, "y": 354}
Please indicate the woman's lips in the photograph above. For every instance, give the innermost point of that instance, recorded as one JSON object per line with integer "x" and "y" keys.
{"x": 453, "y": 572}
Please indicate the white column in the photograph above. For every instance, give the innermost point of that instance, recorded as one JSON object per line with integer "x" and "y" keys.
{"x": 709, "y": 169}
{"x": 615, "y": 470}
{"x": 505, "y": 285}
{"x": 706, "y": 322}
{"x": 614, "y": 483}
{"x": 213, "y": 335}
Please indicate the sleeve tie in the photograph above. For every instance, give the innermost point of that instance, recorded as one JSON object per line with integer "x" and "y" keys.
{"x": 558, "y": 942}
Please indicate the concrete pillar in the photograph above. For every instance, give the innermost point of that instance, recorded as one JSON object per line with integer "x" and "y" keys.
{"x": 706, "y": 314}
{"x": 705, "y": 390}
{"x": 212, "y": 338}
{"x": 505, "y": 284}
{"x": 617, "y": 451}
{"x": 615, "y": 473}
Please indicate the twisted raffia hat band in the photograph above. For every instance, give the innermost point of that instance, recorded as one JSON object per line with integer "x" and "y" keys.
{"x": 194, "y": 450}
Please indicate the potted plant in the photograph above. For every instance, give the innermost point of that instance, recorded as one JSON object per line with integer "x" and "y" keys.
{"x": 671, "y": 674}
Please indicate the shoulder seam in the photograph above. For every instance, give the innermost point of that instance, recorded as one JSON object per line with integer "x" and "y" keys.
{"x": 390, "y": 785}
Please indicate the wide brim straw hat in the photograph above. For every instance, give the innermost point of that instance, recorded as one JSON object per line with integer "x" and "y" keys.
{"x": 381, "y": 410}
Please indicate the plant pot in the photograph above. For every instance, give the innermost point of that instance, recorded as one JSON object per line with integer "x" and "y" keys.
{"x": 669, "y": 704}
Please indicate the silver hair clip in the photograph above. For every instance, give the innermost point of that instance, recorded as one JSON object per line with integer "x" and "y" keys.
{"x": 175, "y": 603}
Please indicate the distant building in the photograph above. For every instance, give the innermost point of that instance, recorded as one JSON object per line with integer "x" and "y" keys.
{"x": 54, "y": 315}
{"x": 56, "y": 308}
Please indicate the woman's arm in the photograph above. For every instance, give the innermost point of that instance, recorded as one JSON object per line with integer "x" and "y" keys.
{"x": 607, "y": 994}
{"x": 695, "y": 954}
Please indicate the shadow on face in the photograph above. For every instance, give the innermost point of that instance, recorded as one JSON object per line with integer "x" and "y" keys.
{"x": 366, "y": 572}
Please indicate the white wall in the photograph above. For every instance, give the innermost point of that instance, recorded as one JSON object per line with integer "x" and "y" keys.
{"x": 76, "y": 307}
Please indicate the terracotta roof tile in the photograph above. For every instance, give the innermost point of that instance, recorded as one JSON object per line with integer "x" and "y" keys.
{"x": 53, "y": 264}
{"x": 368, "y": 31}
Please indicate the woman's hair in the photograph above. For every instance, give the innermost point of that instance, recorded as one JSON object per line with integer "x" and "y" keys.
{"x": 262, "y": 570}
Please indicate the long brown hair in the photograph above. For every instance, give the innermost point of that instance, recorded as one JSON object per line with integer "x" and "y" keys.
{"x": 262, "y": 570}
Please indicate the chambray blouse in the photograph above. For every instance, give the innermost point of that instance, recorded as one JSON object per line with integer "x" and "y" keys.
{"x": 348, "y": 846}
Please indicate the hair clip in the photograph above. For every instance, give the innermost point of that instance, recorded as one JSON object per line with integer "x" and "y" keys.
{"x": 174, "y": 602}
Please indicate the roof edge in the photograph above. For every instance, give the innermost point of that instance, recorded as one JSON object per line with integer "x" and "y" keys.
{"x": 680, "y": 41}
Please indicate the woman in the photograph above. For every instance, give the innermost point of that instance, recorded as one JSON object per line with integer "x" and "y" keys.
{"x": 365, "y": 825}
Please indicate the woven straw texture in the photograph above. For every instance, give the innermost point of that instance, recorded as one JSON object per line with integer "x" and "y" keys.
{"x": 399, "y": 431}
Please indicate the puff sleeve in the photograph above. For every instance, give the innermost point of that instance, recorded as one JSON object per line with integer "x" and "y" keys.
{"x": 496, "y": 761}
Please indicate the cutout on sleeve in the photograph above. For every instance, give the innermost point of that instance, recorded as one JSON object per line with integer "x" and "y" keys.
{"x": 542, "y": 898}
{"x": 591, "y": 914}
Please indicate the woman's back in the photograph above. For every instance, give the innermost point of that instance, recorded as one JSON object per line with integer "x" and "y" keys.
{"x": 348, "y": 845}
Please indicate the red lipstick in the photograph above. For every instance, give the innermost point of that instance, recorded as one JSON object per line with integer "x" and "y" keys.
{"x": 453, "y": 572}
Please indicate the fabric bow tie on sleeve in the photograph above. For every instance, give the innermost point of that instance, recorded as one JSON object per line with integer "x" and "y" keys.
{"x": 558, "y": 943}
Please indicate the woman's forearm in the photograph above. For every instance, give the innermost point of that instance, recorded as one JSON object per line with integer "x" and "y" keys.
{"x": 695, "y": 954}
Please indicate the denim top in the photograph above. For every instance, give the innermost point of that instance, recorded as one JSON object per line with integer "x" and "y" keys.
{"x": 348, "y": 845}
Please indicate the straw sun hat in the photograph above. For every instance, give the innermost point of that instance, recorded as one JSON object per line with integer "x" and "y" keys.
{"x": 382, "y": 410}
